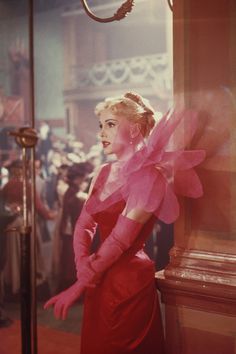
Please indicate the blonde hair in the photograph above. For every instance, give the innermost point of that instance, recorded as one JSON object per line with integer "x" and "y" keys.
{"x": 131, "y": 106}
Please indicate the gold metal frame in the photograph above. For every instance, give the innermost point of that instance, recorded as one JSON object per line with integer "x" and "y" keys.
{"x": 122, "y": 12}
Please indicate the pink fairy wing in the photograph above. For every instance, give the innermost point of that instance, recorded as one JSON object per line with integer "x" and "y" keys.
{"x": 155, "y": 144}
{"x": 185, "y": 130}
{"x": 183, "y": 159}
{"x": 152, "y": 192}
{"x": 163, "y": 171}
{"x": 177, "y": 124}
{"x": 189, "y": 159}
{"x": 181, "y": 124}
{"x": 169, "y": 210}
{"x": 144, "y": 190}
{"x": 187, "y": 183}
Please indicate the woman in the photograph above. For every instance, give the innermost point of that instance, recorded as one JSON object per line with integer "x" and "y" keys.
{"x": 121, "y": 310}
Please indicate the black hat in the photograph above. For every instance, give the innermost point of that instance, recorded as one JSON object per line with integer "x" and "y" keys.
{"x": 16, "y": 164}
{"x": 77, "y": 170}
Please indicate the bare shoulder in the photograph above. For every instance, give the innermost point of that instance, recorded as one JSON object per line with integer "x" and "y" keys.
{"x": 95, "y": 176}
{"x": 137, "y": 214}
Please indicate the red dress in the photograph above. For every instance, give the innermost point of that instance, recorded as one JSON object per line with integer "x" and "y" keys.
{"x": 121, "y": 314}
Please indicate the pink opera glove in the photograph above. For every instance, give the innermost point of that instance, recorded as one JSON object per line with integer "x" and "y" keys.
{"x": 64, "y": 300}
{"x": 121, "y": 239}
{"x": 83, "y": 235}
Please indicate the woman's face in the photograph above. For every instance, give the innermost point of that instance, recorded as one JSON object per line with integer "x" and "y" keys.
{"x": 114, "y": 133}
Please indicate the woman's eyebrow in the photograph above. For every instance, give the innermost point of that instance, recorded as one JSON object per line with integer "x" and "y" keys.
{"x": 111, "y": 119}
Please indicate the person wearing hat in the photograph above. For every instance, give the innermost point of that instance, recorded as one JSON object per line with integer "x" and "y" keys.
{"x": 72, "y": 204}
{"x": 13, "y": 191}
{"x": 12, "y": 194}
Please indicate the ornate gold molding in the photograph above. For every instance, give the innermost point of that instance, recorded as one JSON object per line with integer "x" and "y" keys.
{"x": 200, "y": 280}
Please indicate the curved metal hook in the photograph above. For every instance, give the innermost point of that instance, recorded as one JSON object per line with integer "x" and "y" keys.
{"x": 119, "y": 15}
{"x": 170, "y": 4}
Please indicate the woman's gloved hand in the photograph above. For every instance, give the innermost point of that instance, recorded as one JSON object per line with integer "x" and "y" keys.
{"x": 64, "y": 300}
{"x": 91, "y": 268}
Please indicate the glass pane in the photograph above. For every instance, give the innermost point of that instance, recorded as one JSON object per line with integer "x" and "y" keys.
{"x": 77, "y": 63}
{"x": 14, "y": 114}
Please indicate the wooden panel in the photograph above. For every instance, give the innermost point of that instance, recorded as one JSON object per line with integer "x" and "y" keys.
{"x": 205, "y": 342}
{"x": 197, "y": 332}
{"x": 199, "y": 285}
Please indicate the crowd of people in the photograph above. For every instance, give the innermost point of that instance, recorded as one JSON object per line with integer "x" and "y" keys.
{"x": 63, "y": 172}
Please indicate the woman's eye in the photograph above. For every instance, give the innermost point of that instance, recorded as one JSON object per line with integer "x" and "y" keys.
{"x": 111, "y": 125}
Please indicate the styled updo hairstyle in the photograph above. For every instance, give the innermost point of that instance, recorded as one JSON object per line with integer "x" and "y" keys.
{"x": 133, "y": 107}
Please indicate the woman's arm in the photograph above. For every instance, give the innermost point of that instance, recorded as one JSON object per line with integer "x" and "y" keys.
{"x": 137, "y": 214}
{"x": 122, "y": 237}
{"x": 90, "y": 268}
{"x": 83, "y": 235}
{"x": 85, "y": 229}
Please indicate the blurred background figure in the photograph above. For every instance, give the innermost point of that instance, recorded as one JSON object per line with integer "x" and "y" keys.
{"x": 164, "y": 242}
{"x": 59, "y": 188}
{"x": 12, "y": 194}
{"x": 95, "y": 156}
{"x": 159, "y": 244}
{"x": 45, "y": 142}
{"x": 6, "y": 218}
{"x": 73, "y": 201}
{"x": 41, "y": 185}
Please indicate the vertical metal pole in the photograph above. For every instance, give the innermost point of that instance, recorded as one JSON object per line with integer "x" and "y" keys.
{"x": 33, "y": 188}
{"x": 33, "y": 265}
{"x": 25, "y": 273}
{"x": 27, "y": 138}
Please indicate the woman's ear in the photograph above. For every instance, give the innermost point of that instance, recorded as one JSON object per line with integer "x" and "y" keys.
{"x": 135, "y": 130}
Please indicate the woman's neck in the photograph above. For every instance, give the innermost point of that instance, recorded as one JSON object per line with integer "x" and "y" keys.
{"x": 126, "y": 154}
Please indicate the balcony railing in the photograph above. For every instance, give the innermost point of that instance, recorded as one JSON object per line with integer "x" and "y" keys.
{"x": 148, "y": 70}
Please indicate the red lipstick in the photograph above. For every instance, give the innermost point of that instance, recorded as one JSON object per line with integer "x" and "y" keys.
{"x": 105, "y": 143}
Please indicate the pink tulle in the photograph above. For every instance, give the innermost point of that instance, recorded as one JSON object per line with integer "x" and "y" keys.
{"x": 160, "y": 170}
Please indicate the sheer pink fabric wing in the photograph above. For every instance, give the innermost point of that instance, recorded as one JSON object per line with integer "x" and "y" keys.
{"x": 158, "y": 172}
